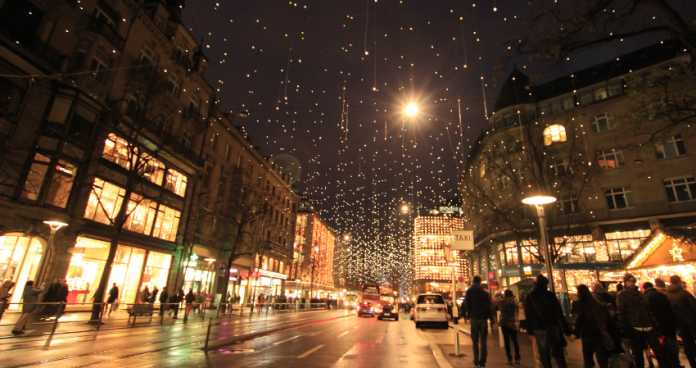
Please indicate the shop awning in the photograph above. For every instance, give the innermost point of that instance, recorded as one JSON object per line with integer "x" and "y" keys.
{"x": 585, "y": 266}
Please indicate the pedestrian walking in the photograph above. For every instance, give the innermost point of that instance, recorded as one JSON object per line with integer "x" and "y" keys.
{"x": 200, "y": 299}
{"x": 478, "y": 308}
{"x": 661, "y": 286}
{"x": 546, "y": 323}
{"x": 174, "y": 301}
{"x": 30, "y": 296}
{"x": 144, "y": 295}
{"x": 508, "y": 324}
{"x": 113, "y": 298}
{"x": 153, "y": 297}
{"x": 190, "y": 299}
{"x": 608, "y": 301}
{"x": 62, "y": 298}
{"x": 592, "y": 326}
{"x": 667, "y": 322}
{"x": 638, "y": 322}
{"x": 45, "y": 311}
{"x": 5, "y": 296}
{"x": 684, "y": 306}
{"x": 164, "y": 297}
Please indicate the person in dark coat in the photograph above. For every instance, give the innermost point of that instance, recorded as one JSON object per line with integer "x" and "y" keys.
{"x": 190, "y": 299}
{"x": 30, "y": 296}
{"x": 684, "y": 306}
{"x": 62, "y": 297}
{"x": 113, "y": 297}
{"x": 163, "y": 298}
{"x": 174, "y": 301}
{"x": 638, "y": 322}
{"x": 153, "y": 297}
{"x": 593, "y": 319}
{"x": 666, "y": 320}
{"x": 50, "y": 296}
{"x": 477, "y": 304}
{"x": 546, "y": 323}
{"x": 508, "y": 324}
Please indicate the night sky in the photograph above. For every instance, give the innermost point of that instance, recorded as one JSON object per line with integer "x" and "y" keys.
{"x": 306, "y": 70}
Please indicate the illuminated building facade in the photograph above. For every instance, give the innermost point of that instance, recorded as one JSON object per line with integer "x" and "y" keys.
{"x": 313, "y": 257}
{"x": 433, "y": 273}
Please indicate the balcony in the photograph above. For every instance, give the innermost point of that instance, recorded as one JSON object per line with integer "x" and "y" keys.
{"x": 182, "y": 59}
{"x": 100, "y": 27}
{"x": 278, "y": 248}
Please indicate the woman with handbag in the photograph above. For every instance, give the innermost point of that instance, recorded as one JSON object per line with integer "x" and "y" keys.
{"x": 592, "y": 327}
{"x": 508, "y": 324}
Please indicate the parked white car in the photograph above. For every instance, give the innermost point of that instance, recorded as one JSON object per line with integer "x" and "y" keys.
{"x": 430, "y": 308}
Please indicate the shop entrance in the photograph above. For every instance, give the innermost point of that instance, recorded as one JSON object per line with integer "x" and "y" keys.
{"x": 19, "y": 261}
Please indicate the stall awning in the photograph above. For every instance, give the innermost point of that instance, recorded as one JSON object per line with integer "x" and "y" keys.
{"x": 593, "y": 266}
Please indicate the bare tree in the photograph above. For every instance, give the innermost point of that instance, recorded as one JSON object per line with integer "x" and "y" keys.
{"x": 507, "y": 166}
{"x": 134, "y": 145}
{"x": 556, "y": 29}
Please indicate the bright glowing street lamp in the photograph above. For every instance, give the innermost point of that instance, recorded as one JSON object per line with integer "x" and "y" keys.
{"x": 404, "y": 209}
{"x": 539, "y": 201}
{"x": 55, "y": 226}
{"x": 411, "y": 109}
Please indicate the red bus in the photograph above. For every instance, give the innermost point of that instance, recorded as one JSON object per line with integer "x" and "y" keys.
{"x": 370, "y": 293}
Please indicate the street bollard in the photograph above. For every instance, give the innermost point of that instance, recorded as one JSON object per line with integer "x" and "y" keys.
{"x": 207, "y": 336}
{"x": 161, "y": 315}
{"x": 267, "y": 309}
{"x": 135, "y": 315}
{"x": 55, "y": 325}
{"x": 101, "y": 314}
{"x": 218, "y": 312}
{"x": 202, "y": 314}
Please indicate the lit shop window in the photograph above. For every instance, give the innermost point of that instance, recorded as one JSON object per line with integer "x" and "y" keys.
{"x": 151, "y": 169}
{"x": 610, "y": 159}
{"x": 176, "y": 182}
{"x": 105, "y": 200}
{"x": 511, "y": 253}
{"x": 167, "y": 223}
{"x": 116, "y": 150}
{"x": 37, "y": 173}
{"x": 141, "y": 215}
{"x": 529, "y": 250}
{"x": 554, "y": 133}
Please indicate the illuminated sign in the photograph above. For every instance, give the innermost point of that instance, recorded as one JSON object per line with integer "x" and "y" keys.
{"x": 65, "y": 170}
{"x": 194, "y": 257}
{"x": 449, "y": 209}
{"x": 527, "y": 270}
{"x": 233, "y": 270}
{"x": 232, "y": 278}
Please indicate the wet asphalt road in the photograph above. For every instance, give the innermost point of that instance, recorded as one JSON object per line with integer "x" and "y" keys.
{"x": 311, "y": 339}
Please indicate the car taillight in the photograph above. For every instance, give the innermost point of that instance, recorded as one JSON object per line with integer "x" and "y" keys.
{"x": 441, "y": 309}
{"x": 420, "y": 309}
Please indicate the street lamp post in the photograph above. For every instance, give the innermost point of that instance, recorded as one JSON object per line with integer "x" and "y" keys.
{"x": 539, "y": 201}
{"x": 55, "y": 226}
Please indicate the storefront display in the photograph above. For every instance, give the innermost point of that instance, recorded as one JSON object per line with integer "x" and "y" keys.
{"x": 19, "y": 261}
{"x": 199, "y": 274}
{"x": 130, "y": 272}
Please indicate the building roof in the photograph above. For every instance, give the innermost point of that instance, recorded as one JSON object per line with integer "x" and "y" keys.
{"x": 516, "y": 89}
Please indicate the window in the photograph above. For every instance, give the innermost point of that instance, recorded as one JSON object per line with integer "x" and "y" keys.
{"x": 619, "y": 198}
{"x": 567, "y": 205}
{"x": 61, "y": 184}
{"x": 100, "y": 63}
{"x": 615, "y": 89}
{"x": 672, "y": 148}
{"x": 158, "y": 21}
{"x": 622, "y": 244}
{"x": 105, "y": 199}
{"x": 586, "y": 98}
{"x": 186, "y": 140}
{"x": 35, "y": 179}
{"x": 214, "y": 140}
{"x": 578, "y": 248}
{"x": 193, "y": 105}
{"x": 141, "y": 215}
{"x": 81, "y": 55}
{"x": 568, "y": 103}
{"x": 228, "y": 151}
{"x": 602, "y": 123}
{"x": 511, "y": 253}
{"x": 680, "y": 189}
{"x": 529, "y": 250}
{"x": 554, "y": 133}
{"x": 104, "y": 13}
{"x": 521, "y": 173}
{"x": 117, "y": 150}
{"x": 557, "y": 107}
{"x": 151, "y": 169}
{"x": 173, "y": 84}
{"x": 501, "y": 183}
{"x": 167, "y": 223}
{"x": 600, "y": 93}
{"x": 610, "y": 159}
{"x": 146, "y": 56}
{"x": 176, "y": 182}
{"x": 559, "y": 167}
{"x": 222, "y": 183}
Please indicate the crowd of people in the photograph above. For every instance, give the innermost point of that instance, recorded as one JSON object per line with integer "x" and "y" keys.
{"x": 609, "y": 324}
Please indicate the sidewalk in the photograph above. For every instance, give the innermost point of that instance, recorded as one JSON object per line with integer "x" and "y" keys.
{"x": 496, "y": 351}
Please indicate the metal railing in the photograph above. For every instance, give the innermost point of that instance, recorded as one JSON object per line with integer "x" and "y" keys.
{"x": 45, "y": 317}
